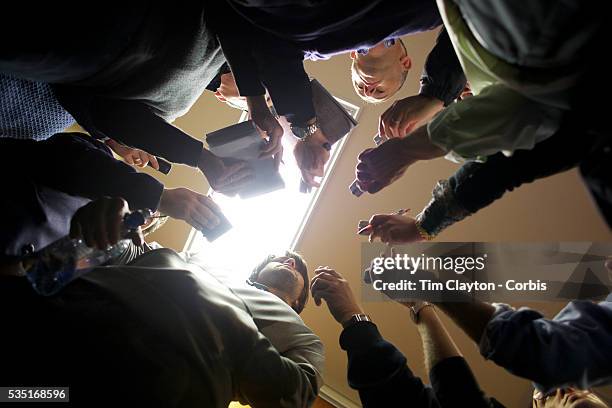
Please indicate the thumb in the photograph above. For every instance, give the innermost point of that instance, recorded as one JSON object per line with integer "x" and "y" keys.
{"x": 219, "y": 96}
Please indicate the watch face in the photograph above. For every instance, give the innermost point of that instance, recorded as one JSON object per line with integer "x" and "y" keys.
{"x": 299, "y": 132}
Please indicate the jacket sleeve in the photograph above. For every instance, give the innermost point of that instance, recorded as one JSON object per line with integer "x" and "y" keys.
{"x": 77, "y": 164}
{"x": 282, "y": 71}
{"x": 378, "y": 370}
{"x": 476, "y": 185}
{"x": 529, "y": 345}
{"x": 453, "y": 377}
{"x": 132, "y": 123}
{"x": 279, "y": 69}
{"x": 443, "y": 76}
{"x": 270, "y": 379}
{"x": 498, "y": 119}
{"x": 261, "y": 61}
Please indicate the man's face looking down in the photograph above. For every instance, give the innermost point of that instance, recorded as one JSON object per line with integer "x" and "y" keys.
{"x": 282, "y": 278}
{"x": 380, "y": 73}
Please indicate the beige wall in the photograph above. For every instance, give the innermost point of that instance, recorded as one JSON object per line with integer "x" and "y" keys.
{"x": 557, "y": 208}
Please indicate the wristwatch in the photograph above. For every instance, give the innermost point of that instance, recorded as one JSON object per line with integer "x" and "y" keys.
{"x": 306, "y": 131}
{"x": 416, "y": 308}
{"x": 356, "y": 318}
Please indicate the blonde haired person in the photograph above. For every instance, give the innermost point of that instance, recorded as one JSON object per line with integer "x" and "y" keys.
{"x": 529, "y": 66}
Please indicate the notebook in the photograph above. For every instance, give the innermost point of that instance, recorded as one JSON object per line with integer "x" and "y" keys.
{"x": 243, "y": 141}
{"x": 333, "y": 119}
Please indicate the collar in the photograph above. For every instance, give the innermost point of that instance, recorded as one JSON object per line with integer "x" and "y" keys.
{"x": 258, "y": 285}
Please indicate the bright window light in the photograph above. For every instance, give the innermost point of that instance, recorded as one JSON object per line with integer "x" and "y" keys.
{"x": 268, "y": 224}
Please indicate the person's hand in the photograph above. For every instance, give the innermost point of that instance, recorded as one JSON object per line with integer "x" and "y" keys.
{"x": 135, "y": 157}
{"x": 194, "y": 208}
{"x": 228, "y": 93}
{"x": 567, "y": 398}
{"x": 330, "y": 286}
{"x": 267, "y": 124}
{"x": 394, "y": 229}
{"x": 311, "y": 157}
{"x": 379, "y": 167}
{"x": 387, "y": 275}
{"x": 406, "y": 115}
{"x": 225, "y": 175}
{"x": 100, "y": 223}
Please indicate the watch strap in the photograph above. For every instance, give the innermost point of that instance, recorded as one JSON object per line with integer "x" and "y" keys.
{"x": 356, "y": 318}
{"x": 307, "y": 130}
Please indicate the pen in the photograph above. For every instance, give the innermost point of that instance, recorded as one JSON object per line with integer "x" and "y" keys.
{"x": 368, "y": 228}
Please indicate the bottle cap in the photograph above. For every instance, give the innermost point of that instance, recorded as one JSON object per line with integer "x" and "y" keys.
{"x": 378, "y": 139}
{"x": 362, "y": 224}
{"x": 355, "y": 190}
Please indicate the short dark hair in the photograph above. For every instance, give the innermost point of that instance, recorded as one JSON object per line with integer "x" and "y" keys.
{"x": 300, "y": 266}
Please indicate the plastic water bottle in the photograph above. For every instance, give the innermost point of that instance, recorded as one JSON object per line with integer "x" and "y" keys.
{"x": 66, "y": 259}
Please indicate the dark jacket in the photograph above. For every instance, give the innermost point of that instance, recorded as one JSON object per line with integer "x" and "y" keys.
{"x": 265, "y": 44}
{"x": 159, "y": 332}
{"x": 528, "y": 345}
{"x": 476, "y": 185}
{"x": 49, "y": 180}
{"x": 378, "y": 370}
{"x": 123, "y": 75}
{"x": 161, "y": 73}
